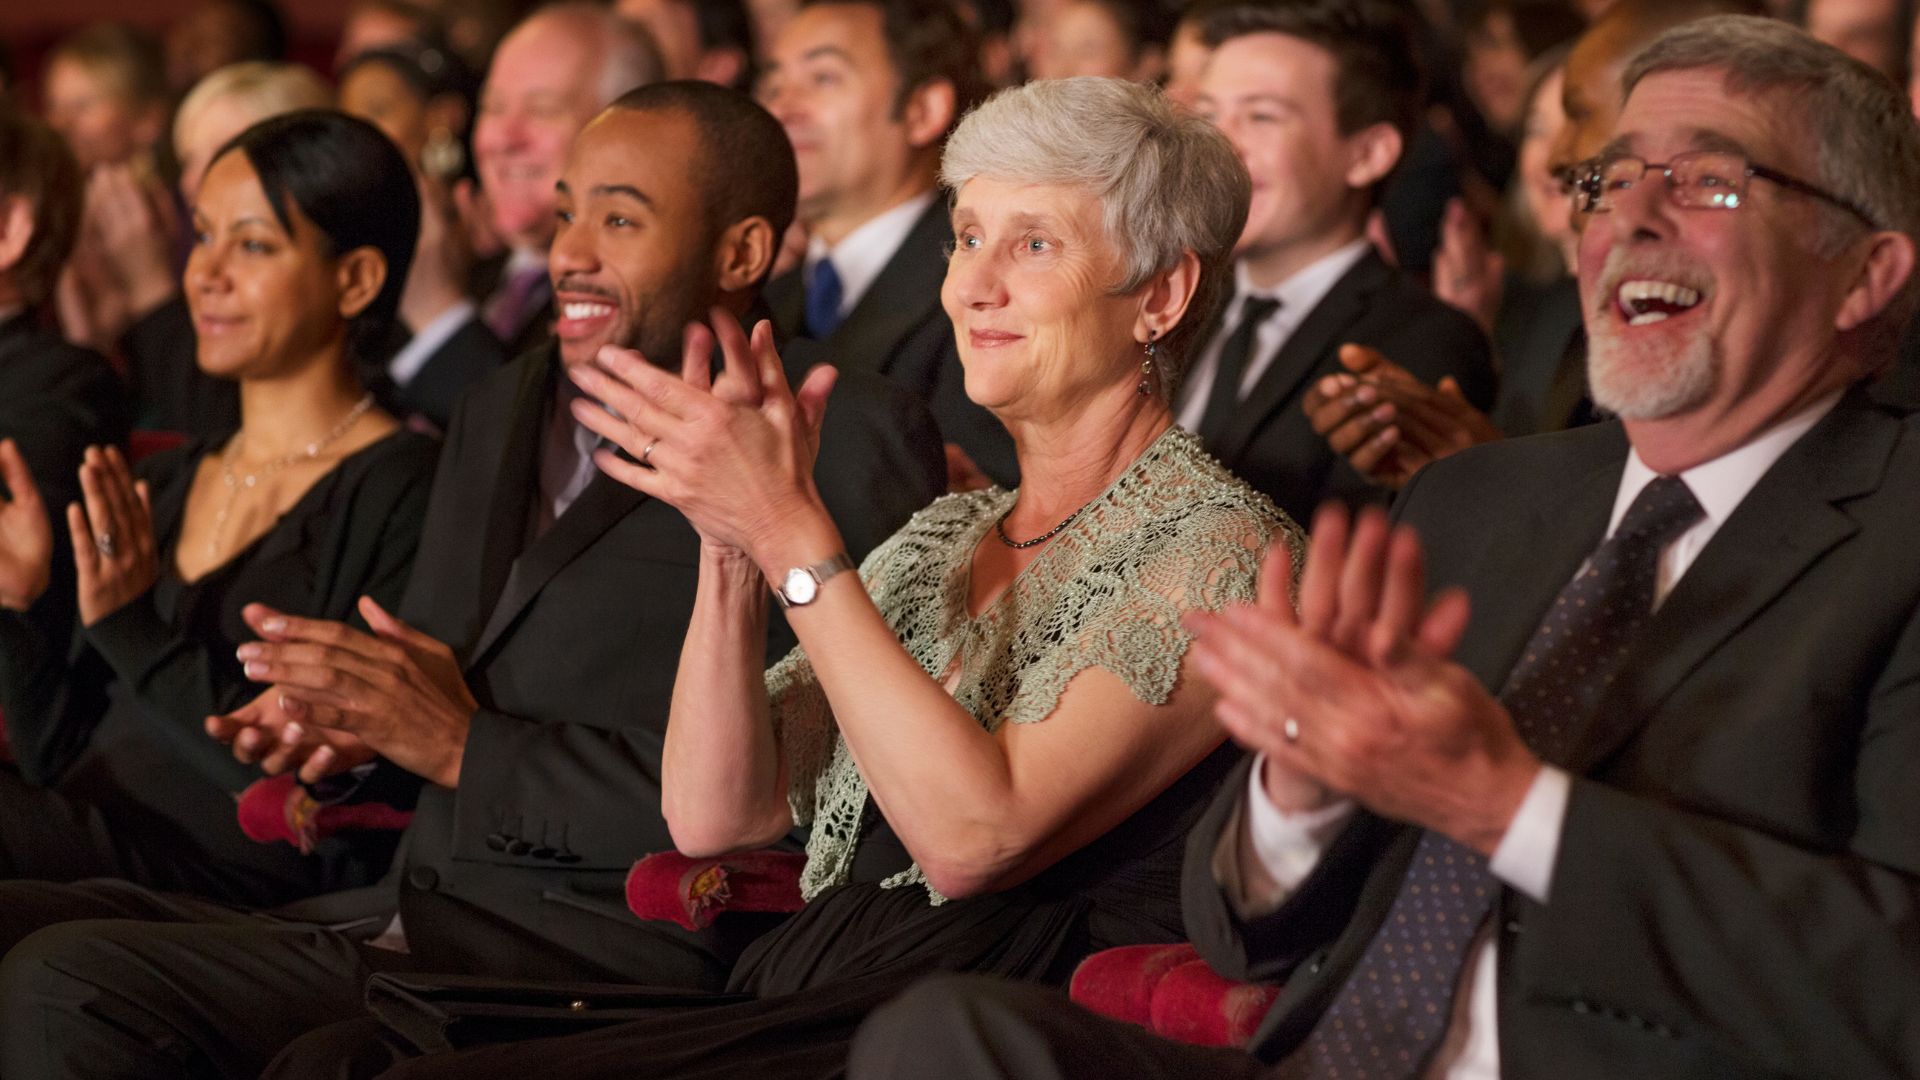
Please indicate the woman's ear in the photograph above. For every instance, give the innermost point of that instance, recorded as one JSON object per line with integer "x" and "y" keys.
{"x": 1166, "y": 299}
{"x": 1372, "y": 153}
{"x": 360, "y": 275}
{"x": 929, "y": 111}
{"x": 745, "y": 250}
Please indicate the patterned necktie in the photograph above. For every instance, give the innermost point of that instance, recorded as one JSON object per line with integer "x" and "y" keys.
{"x": 1396, "y": 1005}
{"x": 1224, "y": 396}
{"x": 823, "y": 300}
{"x": 512, "y": 304}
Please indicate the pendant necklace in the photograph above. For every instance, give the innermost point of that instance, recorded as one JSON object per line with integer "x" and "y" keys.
{"x": 234, "y": 481}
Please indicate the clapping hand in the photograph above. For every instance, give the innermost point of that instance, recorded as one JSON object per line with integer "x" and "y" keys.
{"x": 734, "y": 455}
{"x": 113, "y": 546}
{"x": 280, "y": 733}
{"x": 1386, "y": 422}
{"x": 1357, "y": 692}
{"x": 397, "y": 690}
{"x": 26, "y": 537}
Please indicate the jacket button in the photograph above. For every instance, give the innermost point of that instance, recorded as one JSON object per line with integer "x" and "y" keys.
{"x": 1582, "y": 1008}
{"x": 1513, "y": 926}
{"x": 517, "y": 848}
{"x": 497, "y": 841}
{"x": 424, "y": 878}
{"x": 577, "y": 1005}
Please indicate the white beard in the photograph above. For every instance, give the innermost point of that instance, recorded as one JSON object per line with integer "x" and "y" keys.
{"x": 1628, "y": 386}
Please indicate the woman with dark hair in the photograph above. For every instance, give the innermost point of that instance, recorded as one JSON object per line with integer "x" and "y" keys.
{"x": 421, "y": 95}
{"x": 303, "y": 229}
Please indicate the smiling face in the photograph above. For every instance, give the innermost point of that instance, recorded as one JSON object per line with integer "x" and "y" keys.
{"x": 1272, "y": 94}
{"x": 1029, "y": 292}
{"x": 632, "y": 260}
{"x": 1083, "y": 38}
{"x": 266, "y": 300}
{"x": 95, "y": 118}
{"x": 831, "y": 83}
{"x": 543, "y": 87}
{"x": 1724, "y": 318}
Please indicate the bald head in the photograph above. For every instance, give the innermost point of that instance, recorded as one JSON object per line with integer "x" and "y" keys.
{"x": 1591, "y": 91}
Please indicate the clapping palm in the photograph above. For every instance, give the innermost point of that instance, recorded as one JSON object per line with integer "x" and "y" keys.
{"x": 26, "y": 536}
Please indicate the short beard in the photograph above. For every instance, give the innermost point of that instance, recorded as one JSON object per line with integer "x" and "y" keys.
{"x": 1639, "y": 391}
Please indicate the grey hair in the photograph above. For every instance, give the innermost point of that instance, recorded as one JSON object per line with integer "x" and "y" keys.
{"x": 1867, "y": 142}
{"x": 1168, "y": 181}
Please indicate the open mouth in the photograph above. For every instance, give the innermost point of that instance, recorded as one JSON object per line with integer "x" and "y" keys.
{"x": 1643, "y": 302}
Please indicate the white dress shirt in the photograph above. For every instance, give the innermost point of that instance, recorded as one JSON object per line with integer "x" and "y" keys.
{"x": 1298, "y": 296}
{"x": 861, "y": 254}
{"x": 426, "y": 341}
{"x": 1289, "y": 845}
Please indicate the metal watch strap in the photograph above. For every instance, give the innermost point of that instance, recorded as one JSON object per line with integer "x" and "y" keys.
{"x": 819, "y": 572}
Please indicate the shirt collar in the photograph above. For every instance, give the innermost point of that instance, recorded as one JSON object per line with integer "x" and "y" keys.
{"x": 863, "y": 253}
{"x": 1721, "y": 484}
{"x": 1303, "y": 291}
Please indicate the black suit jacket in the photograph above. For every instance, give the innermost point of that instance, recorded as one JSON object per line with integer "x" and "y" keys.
{"x": 570, "y": 645}
{"x": 898, "y": 329}
{"x": 462, "y": 360}
{"x": 1737, "y": 889}
{"x": 1268, "y": 440}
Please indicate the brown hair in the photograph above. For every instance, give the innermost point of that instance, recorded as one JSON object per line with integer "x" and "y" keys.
{"x": 1377, "y": 72}
{"x": 928, "y": 41}
{"x": 125, "y": 56}
{"x": 36, "y": 165}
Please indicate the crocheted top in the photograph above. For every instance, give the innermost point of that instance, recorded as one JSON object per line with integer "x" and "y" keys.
{"x": 1175, "y": 532}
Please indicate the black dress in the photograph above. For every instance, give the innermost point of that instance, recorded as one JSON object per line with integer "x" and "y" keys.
{"x": 800, "y": 992}
{"x": 116, "y": 774}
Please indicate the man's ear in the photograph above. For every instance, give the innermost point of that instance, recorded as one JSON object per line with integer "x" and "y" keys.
{"x": 722, "y": 66}
{"x": 1372, "y": 152}
{"x": 744, "y": 252}
{"x": 929, "y": 112}
{"x": 16, "y": 230}
{"x": 1882, "y": 277}
{"x": 361, "y": 274}
{"x": 1166, "y": 299}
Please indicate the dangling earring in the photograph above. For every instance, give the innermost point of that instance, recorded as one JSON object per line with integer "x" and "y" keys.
{"x": 443, "y": 158}
{"x": 1146, "y": 369}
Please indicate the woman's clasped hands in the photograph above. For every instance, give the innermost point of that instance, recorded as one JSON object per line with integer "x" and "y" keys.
{"x": 734, "y": 453}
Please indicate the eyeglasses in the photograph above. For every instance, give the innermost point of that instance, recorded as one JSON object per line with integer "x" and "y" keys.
{"x": 1698, "y": 179}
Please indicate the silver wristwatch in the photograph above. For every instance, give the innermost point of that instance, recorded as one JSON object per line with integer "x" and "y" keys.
{"x": 802, "y": 583}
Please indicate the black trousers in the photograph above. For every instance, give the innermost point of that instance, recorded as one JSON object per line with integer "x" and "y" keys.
{"x": 108, "y": 980}
{"x": 968, "y": 1027}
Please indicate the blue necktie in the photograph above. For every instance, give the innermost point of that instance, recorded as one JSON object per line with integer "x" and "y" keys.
{"x": 1397, "y": 1003}
{"x": 823, "y": 301}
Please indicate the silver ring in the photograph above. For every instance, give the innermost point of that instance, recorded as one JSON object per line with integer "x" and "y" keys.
{"x": 648, "y": 452}
{"x": 1290, "y": 729}
{"x": 103, "y": 543}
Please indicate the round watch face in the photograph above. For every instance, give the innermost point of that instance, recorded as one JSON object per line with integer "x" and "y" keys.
{"x": 800, "y": 587}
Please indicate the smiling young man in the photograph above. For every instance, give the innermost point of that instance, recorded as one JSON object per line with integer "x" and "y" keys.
{"x": 867, "y": 91}
{"x": 531, "y": 690}
{"x": 1318, "y": 97}
{"x": 1681, "y": 842}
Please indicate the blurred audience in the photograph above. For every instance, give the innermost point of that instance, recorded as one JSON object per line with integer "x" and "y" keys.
{"x": 371, "y": 24}
{"x": 1504, "y": 38}
{"x": 710, "y": 40}
{"x": 1319, "y": 98}
{"x": 867, "y": 91}
{"x": 303, "y": 231}
{"x": 221, "y": 32}
{"x": 56, "y": 399}
{"x": 1122, "y": 39}
{"x": 1875, "y": 32}
{"x": 421, "y": 96}
{"x": 105, "y": 92}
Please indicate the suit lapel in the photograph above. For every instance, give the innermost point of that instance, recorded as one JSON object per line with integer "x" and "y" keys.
{"x": 1782, "y": 528}
{"x": 899, "y": 299}
{"x": 1525, "y": 568}
{"x": 514, "y": 481}
{"x": 1316, "y": 336}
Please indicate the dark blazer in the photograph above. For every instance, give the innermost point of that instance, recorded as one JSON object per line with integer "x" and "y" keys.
{"x": 570, "y": 645}
{"x": 898, "y": 329}
{"x": 1269, "y": 442}
{"x": 1737, "y": 890}
{"x": 460, "y": 361}
{"x": 1542, "y": 343}
{"x": 56, "y": 399}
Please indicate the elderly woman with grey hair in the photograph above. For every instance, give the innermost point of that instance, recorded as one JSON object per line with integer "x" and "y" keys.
{"x": 992, "y": 727}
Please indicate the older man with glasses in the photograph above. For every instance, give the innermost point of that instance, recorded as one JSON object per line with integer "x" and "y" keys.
{"x": 1646, "y": 809}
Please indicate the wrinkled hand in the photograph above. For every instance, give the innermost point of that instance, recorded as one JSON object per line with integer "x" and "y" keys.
{"x": 26, "y": 536}
{"x": 1387, "y": 423}
{"x": 397, "y": 689}
{"x": 280, "y": 733}
{"x": 736, "y": 457}
{"x": 1467, "y": 272}
{"x": 113, "y": 547}
{"x": 1380, "y": 712}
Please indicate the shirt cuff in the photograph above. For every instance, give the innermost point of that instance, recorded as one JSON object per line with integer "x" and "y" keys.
{"x": 1288, "y": 845}
{"x": 1527, "y": 853}
{"x": 427, "y": 340}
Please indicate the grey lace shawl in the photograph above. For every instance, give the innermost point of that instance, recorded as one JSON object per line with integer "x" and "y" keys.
{"x": 1175, "y": 532}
